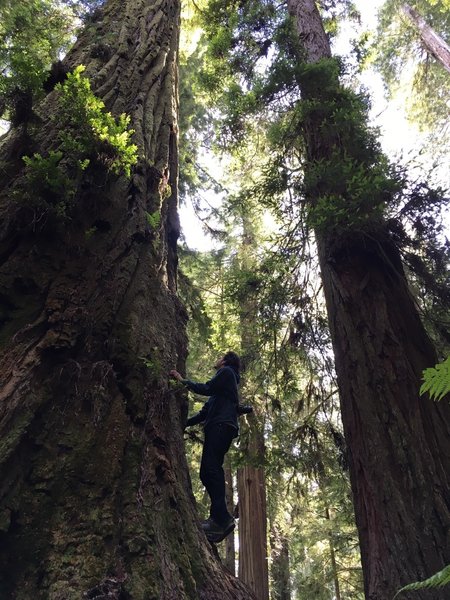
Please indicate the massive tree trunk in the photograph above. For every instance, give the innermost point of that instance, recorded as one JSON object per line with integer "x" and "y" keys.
{"x": 432, "y": 42}
{"x": 399, "y": 444}
{"x": 95, "y": 497}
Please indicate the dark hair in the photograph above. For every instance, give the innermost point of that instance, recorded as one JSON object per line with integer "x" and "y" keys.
{"x": 232, "y": 360}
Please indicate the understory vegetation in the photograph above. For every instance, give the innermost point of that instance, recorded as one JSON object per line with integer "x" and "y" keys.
{"x": 278, "y": 159}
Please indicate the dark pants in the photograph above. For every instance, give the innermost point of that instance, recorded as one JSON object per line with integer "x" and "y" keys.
{"x": 218, "y": 439}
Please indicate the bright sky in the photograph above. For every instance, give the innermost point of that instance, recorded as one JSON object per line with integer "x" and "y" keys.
{"x": 398, "y": 137}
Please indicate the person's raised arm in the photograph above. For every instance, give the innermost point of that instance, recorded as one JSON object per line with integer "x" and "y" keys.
{"x": 212, "y": 386}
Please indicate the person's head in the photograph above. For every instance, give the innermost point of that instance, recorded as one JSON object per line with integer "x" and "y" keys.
{"x": 230, "y": 359}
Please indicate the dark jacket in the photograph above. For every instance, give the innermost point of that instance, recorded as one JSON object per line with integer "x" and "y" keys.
{"x": 222, "y": 405}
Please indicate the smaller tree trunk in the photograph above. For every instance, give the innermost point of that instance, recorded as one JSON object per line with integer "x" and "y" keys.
{"x": 430, "y": 39}
{"x": 253, "y": 531}
{"x": 230, "y": 549}
{"x": 251, "y": 482}
{"x": 279, "y": 546}
{"x": 337, "y": 590}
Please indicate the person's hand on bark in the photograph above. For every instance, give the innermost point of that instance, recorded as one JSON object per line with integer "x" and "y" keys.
{"x": 173, "y": 373}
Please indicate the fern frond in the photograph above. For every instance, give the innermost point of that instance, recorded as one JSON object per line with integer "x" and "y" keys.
{"x": 435, "y": 581}
{"x": 436, "y": 381}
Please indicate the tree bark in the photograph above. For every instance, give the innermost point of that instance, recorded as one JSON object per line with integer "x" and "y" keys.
{"x": 280, "y": 570}
{"x": 95, "y": 498}
{"x": 230, "y": 547}
{"x": 251, "y": 479}
{"x": 398, "y": 443}
{"x": 432, "y": 41}
{"x": 253, "y": 568}
{"x": 334, "y": 570}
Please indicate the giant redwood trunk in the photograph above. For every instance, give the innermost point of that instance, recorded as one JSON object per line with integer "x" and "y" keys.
{"x": 95, "y": 497}
{"x": 399, "y": 443}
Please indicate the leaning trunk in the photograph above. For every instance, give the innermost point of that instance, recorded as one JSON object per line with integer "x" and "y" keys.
{"x": 95, "y": 495}
{"x": 433, "y": 43}
{"x": 398, "y": 443}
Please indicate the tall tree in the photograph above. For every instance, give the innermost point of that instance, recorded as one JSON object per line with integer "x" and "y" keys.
{"x": 95, "y": 497}
{"x": 398, "y": 444}
{"x": 408, "y": 63}
{"x": 433, "y": 42}
{"x": 251, "y": 479}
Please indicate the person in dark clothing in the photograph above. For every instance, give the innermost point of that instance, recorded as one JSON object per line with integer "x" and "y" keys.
{"x": 219, "y": 416}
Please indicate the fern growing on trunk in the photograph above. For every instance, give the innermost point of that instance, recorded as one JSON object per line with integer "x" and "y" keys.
{"x": 436, "y": 380}
{"x": 437, "y": 580}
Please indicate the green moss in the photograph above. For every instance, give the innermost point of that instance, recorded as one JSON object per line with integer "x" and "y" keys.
{"x": 348, "y": 181}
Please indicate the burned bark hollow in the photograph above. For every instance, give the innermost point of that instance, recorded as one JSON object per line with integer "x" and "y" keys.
{"x": 398, "y": 443}
{"x": 95, "y": 497}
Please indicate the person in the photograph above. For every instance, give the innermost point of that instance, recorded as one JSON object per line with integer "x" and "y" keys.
{"x": 219, "y": 416}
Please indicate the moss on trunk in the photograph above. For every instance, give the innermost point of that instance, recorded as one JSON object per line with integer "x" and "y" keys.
{"x": 95, "y": 497}
{"x": 398, "y": 443}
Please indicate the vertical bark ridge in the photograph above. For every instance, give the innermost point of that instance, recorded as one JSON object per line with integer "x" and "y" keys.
{"x": 95, "y": 496}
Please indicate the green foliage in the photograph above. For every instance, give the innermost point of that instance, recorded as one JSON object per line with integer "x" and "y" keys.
{"x": 46, "y": 179}
{"x": 437, "y": 380}
{"x": 87, "y": 133}
{"x": 355, "y": 194}
{"x": 398, "y": 49}
{"x": 32, "y": 34}
{"x": 419, "y": 229}
{"x": 92, "y": 129}
{"x": 153, "y": 364}
{"x": 196, "y": 126}
{"x": 153, "y": 219}
{"x": 438, "y": 580}
{"x": 349, "y": 188}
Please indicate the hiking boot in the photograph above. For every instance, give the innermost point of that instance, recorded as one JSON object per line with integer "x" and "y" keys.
{"x": 216, "y": 533}
{"x": 210, "y": 526}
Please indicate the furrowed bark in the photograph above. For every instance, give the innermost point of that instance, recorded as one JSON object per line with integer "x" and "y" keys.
{"x": 95, "y": 497}
{"x": 253, "y": 568}
{"x": 251, "y": 478}
{"x": 398, "y": 443}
